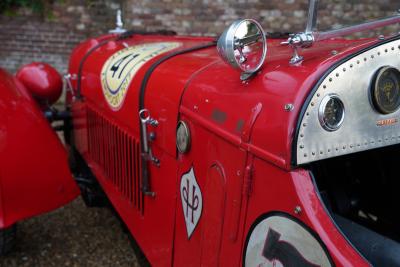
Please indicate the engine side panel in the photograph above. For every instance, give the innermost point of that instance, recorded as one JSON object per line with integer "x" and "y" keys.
{"x": 108, "y": 137}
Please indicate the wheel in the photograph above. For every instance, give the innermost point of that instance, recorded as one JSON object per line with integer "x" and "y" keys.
{"x": 93, "y": 196}
{"x": 91, "y": 192}
{"x": 7, "y": 239}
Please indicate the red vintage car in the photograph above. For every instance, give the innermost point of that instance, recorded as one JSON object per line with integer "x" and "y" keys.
{"x": 34, "y": 172}
{"x": 255, "y": 150}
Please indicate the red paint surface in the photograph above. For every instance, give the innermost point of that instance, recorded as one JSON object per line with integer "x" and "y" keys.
{"x": 192, "y": 87}
{"x": 42, "y": 81}
{"x": 34, "y": 173}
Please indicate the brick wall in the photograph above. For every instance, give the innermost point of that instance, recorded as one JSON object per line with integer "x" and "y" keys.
{"x": 27, "y": 37}
{"x": 212, "y": 16}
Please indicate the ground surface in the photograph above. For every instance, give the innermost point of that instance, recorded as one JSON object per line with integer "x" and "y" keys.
{"x": 72, "y": 236}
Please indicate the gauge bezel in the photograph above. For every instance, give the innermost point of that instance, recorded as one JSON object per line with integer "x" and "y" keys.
{"x": 186, "y": 147}
{"x": 321, "y": 112}
{"x": 374, "y": 91}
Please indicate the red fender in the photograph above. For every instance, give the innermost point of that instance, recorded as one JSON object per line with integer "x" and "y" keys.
{"x": 34, "y": 173}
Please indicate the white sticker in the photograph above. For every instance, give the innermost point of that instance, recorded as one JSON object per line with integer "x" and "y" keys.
{"x": 281, "y": 241}
{"x": 192, "y": 201}
{"x": 122, "y": 66}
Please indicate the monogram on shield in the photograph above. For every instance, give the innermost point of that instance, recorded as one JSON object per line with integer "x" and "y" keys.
{"x": 192, "y": 201}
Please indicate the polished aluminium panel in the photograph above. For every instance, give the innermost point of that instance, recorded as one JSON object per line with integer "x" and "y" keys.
{"x": 363, "y": 128}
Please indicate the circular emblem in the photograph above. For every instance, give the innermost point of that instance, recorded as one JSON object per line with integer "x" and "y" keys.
{"x": 278, "y": 239}
{"x": 122, "y": 66}
{"x": 385, "y": 91}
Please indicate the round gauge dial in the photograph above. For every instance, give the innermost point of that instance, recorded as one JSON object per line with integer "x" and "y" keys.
{"x": 182, "y": 137}
{"x": 331, "y": 112}
{"x": 385, "y": 91}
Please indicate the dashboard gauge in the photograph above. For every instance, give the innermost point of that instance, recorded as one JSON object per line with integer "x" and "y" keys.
{"x": 331, "y": 112}
{"x": 385, "y": 90}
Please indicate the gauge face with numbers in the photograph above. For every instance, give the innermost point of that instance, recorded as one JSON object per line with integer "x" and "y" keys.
{"x": 385, "y": 91}
{"x": 122, "y": 66}
{"x": 331, "y": 112}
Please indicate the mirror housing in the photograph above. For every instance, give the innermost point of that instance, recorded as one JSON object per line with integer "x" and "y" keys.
{"x": 42, "y": 81}
{"x": 243, "y": 45}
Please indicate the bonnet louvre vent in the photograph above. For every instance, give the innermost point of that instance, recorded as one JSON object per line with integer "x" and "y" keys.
{"x": 118, "y": 155}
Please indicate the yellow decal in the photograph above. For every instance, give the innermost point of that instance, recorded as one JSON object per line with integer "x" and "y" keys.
{"x": 120, "y": 68}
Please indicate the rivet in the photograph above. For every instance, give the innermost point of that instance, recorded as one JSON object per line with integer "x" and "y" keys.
{"x": 297, "y": 210}
{"x": 372, "y": 56}
{"x": 238, "y": 173}
{"x": 289, "y": 107}
{"x": 344, "y": 147}
{"x": 330, "y": 79}
{"x": 381, "y": 37}
{"x": 321, "y": 152}
{"x": 351, "y": 65}
{"x": 334, "y": 52}
{"x": 351, "y": 146}
{"x": 301, "y": 146}
{"x": 318, "y": 95}
{"x": 305, "y": 155}
{"x": 152, "y": 136}
{"x": 365, "y": 59}
{"x": 304, "y": 124}
{"x": 379, "y": 53}
{"x": 358, "y": 61}
{"x": 344, "y": 69}
{"x": 329, "y": 150}
{"x": 313, "y": 153}
{"x": 324, "y": 86}
{"x": 386, "y": 50}
{"x": 308, "y": 113}
{"x": 392, "y": 48}
{"x": 301, "y": 135}
{"x": 312, "y": 103}
{"x": 337, "y": 74}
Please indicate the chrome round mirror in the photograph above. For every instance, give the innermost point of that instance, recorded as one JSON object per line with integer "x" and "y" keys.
{"x": 243, "y": 45}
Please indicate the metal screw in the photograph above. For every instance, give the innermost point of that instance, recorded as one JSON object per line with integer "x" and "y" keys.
{"x": 297, "y": 210}
{"x": 152, "y": 136}
{"x": 289, "y": 107}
